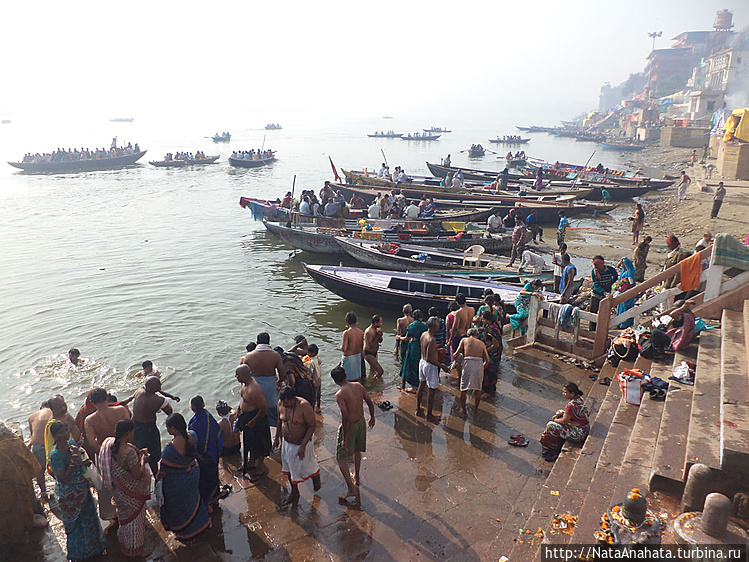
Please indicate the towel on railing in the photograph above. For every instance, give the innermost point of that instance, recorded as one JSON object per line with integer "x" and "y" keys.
{"x": 730, "y": 252}
{"x": 568, "y": 314}
{"x": 691, "y": 268}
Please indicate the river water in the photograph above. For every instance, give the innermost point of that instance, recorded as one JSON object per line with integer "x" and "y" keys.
{"x": 147, "y": 263}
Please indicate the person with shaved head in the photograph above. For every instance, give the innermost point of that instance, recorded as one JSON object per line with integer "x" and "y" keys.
{"x": 147, "y": 402}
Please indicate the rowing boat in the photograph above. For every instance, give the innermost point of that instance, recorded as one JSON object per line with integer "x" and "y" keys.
{"x": 88, "y": 165}
{"x": 387, "y": 289}
{"x": 418, "y": 137}
{"x": 505, "y": 141}
{"x": 184, "y": 163}
{"x": 242, "y": 163}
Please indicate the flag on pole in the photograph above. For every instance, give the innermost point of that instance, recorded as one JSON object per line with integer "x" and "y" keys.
{"x": 335, "y": 172}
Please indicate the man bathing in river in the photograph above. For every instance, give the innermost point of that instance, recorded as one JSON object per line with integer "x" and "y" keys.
{"x": 37, "y": 422}
{"x": 372, "y": 341}
{"x": 352, "y": 433}
{"x": 146, "y": 404}
{"x": 352, "y": 346}
{"x": 475, "y": 360}
{"x": 295, "y": 432}
{"x": 268, "y": 371}
{"x": 253, "y": 423}
{"x": 429, "y": 368}
{"x": 401, "y": 325}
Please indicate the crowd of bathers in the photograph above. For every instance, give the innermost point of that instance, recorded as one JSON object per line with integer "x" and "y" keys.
{"x": 75, "y": 155}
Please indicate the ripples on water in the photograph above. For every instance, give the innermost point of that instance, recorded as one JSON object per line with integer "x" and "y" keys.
{"x": 147, "y": 263}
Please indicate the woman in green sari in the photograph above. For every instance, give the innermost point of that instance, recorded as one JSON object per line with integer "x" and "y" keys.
{"x": 410, "y": 363}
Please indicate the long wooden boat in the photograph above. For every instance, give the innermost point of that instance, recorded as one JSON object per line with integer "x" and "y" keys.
{"x": 505, "y": 141}
{"x": 424, "y": 137}
{"x": 436, "y": 130}
{"x": 221, "y": 138}
{"x": 387, "y": 289}
{"x": 622, "y": 146}
{"x": 411, "y": 257}
{"x": 386, "y": 135}
{"x": 122, "y": 120}
{"x": 184, "y": 163}
{"x": 535, "y": 129}
{"x": 242, "y": 163}
{"x": 89, "y": 165}
{"x": 309, "y": 239}
{"x": 273, "y": 127}
{"x": 613, "y": 178}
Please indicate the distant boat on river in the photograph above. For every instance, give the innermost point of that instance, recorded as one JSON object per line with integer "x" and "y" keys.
{"x": 122, "y": 120}
{"x": 87, "y": 165}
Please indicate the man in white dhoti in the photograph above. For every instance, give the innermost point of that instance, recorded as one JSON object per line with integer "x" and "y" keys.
{"x": 475, "y": 360}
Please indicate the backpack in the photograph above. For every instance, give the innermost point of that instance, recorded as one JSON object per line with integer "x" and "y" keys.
{"x": 655, "y": 345}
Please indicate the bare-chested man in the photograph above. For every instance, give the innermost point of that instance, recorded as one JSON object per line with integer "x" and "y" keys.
{"x": 253, "y": 423}
{"x": 98, "y": 426}
{"x": 475, "y": 360}
{"x": 37, "y": 422}
{"x": 401, "y": 325}
{"x": 297, "y": 426}
{"x": 372, "y": 341}
{"x": 227, "y": 415}
{"x": 147, "y": 402}
{"x": 268, "y": 371}
{"x": 74, "y": 356}
{"x": 463, "y": 318}
{"x": 352, "y": 433}
{"x": 429, "y": 368}
{"x": 352, "y": 346}
{"x": 60, "y": 413}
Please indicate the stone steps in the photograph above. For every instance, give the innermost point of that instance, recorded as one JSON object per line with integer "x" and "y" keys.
{"x": 734, "y": 394}
{"x": 600, "y": 494}
{"x": 703, "y": 437}
{"x": 671, "y": 445}
{"x": 560, "y": 476}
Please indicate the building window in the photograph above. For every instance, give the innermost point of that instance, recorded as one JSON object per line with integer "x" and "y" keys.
{"x": 710, "y": 106}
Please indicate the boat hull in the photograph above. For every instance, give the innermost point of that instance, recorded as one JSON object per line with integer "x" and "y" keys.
{"x": 184, "y": 163}
{"x": 92, "y": 165}
{"x": 304, "y": 239}
{"x": 386, "y": 289}
{"x": 242, "y": 163}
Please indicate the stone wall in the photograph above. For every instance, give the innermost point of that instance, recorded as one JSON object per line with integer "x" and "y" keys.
{"x": 733, "y": 160}
{"x": 684, "y": 137}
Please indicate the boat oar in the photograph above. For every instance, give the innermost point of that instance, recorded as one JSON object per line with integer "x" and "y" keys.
{"x": 491, "y": 151}
{"x": 385, "y": 158}
{"x": 293, "y": 187}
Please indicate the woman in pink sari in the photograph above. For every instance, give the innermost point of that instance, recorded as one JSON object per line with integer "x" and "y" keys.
{"x": 125, "y": 470}
{"x": 569, "y": 424}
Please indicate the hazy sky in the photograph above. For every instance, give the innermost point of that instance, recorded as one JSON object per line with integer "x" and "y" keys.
{"x": 355, "y": 58}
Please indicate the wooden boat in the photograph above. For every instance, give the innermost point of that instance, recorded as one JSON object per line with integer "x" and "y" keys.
{"x": 242, "y": 163}
{"x": 411, "y": 257}
{"x": 496, "y": 244}
{"x": 622, "y": 146}
{"x": 436, "y": 130}
{"x": 89, "y": 165}
{"x": 263, "y": 209}
{"x": 380, "y": 288}
{"x": 476, "y": 151}
{"x": 386, "y": 135}
{"x": 5, "y": 121}
{"x": 419, "y": 137}
{"x": 505, "y": 141}
{"x": 221, "y": 138}
{"x": 184, "y": 163}
{"x": 535, "y": 129}
{"x": 122, "y": 120}
{"x": 273, "y": 127}
{"x": 309, "y": 239}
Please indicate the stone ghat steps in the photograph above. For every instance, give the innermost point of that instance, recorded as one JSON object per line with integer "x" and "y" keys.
{"x": 558, "y": 481}
{"x": 508, "y": 536}
{"x": 734, "y": 393}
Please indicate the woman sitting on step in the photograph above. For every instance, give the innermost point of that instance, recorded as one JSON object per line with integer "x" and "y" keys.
{"x": 568, "y": 424}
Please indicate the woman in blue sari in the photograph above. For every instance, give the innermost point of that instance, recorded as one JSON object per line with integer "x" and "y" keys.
{"x": 410, "y": 362}
{"x": 77, "y": 507}
{"x": 522, "y": 304}
{"x": 209, "y": 442}
{"x": 626, "y": 281}
{"x": 183, "y": 511}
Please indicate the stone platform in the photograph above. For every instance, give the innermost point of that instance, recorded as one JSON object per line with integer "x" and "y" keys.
{"x": 429, "y": 492}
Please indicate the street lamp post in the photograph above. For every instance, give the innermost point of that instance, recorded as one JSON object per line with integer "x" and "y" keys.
{"x": 654, "y": 35}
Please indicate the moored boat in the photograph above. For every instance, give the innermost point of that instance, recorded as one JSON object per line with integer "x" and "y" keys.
{"x": 379, "y": 288}
{"x": 309, "y": 239}
{"x": 87, "y": 165}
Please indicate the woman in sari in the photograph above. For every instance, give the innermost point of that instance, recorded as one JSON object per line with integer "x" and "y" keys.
{"x": 569, "y": 424}
{"x": 522, "y": 304}
{"x": 640, "y": 257}
{"x": 77, "y": 508}
{"x": 125, "y": 471}
{"x": 410, "y": 364}
{"x": 182, "y": 511}
{"x": 626, "y": 281}
{"x": 209, "y": 442}
{"x": 490, "y": 332}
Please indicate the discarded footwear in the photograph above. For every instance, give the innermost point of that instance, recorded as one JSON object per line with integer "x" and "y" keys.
{"x": 606, "y": 381}
{"x": 224, "y": 491}
{"x": 518, "y": 441}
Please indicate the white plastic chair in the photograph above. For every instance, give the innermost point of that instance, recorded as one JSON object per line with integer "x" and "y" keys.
{"x": 472, "y": 255}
